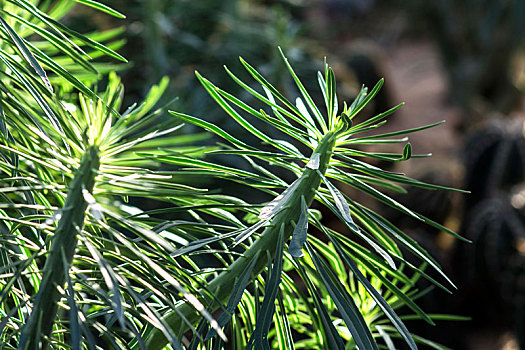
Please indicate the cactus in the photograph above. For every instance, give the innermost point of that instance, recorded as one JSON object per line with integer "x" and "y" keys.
{"x": 494, "y": 220}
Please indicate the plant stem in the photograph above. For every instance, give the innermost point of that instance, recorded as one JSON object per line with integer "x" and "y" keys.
{"x": 60, "y": 256}
{"x": 221, "y": 286}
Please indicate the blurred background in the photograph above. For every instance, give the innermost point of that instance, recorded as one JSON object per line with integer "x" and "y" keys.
{"x": 462, "y": 61}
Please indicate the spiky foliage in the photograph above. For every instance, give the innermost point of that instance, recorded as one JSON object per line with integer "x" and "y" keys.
{"x": 181, "y": 35}
{"x": 65, "y": 158}
{"x": 84, "y": 268}
{"x": 61, "y": 56}
{"x": 372, "y": 242}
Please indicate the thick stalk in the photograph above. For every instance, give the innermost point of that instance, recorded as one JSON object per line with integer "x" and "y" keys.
{"x": 60, "y": 255}
{"x": 221, "y": 286}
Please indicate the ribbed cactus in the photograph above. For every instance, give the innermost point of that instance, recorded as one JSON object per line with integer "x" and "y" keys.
{"x": 495, "y": 222}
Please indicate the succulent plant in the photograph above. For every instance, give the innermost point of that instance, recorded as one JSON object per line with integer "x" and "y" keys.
{"x": 83, "y": 267}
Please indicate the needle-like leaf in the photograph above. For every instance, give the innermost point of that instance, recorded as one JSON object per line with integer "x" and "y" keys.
{"x": 259, "y": 338}
{"x": 235, "y": 298}
{"x": 345, "y": 304}
{"x": 377, "y": 297}
{"x": 300, "y": 232}
{"x": 26, "y": 53}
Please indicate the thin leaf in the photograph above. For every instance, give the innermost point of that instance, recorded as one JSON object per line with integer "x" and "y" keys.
{"x": 312, "y": 130}
{"x": 276, "y": 204}
{"x": 60, "y": 29}
{"x": 235, "y": 298}
{"x": 340, "y": 202}
{"x": 391, "y": 176}
{"x": 408, "y": 242}
{"x": 376, "y": 118}
{"x": 403, "y": 132}
{"x": 190, "y": 298}
{"x": 194, "y": 245}
{"x": 111, "y": 282}
{"x": 345, "y": 305}
{"x": 388, "y": 341}
{"x": 211, "y": 128}
{"x": 278, "y": 110}
{"x": 331, "y": 97}
{"x": 376, "y": 296}
{"x": 332, "y": 337}
{"x": 284, "y": 334}
{"x": 268, "y": 86}
{"x": 26, "y": 53}
{"x": 367, "y": 99}
{"x": 285, "y": 127}
{"x": 101, "y": 7}
{"x": 241, "y": 237}
{"x": 344, "y": 210}
{"x": 74, "y": 322}
{"x": 300, "y": 232}
{"x": 259, "y": 338}
{"x": 380, "y": 196}
{"x": 212, "y": 90}
{"x": 309, "y": 101}
{"x": 36, "y": 95}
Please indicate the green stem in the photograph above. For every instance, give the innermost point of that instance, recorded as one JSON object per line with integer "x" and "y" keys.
{"x": 60, "y": 256}
{"x": 221, "y": 286}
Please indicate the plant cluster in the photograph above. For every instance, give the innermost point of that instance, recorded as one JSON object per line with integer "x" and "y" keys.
{"x": 182, "y": 35}
{"x": 82, "y": 267}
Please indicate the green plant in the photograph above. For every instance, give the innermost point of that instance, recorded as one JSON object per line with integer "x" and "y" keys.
{"x": 84, "y": 268}
{"x": 328, "y": 140}
{"x": 182, "y": 35}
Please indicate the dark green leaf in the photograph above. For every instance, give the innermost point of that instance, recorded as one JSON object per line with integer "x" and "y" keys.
{"x": 259, "y": 338}
{"x": 407, "y": 151}
{"x": 345, "y": 305}
{"x": 101, "y": 7}
{"x": 376, "y": 296}
{"x": 26, "y": 53}
{"x": 235, "y": 298}
{"x": 333, "y": 339}
{"x": 300, "y": 232}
